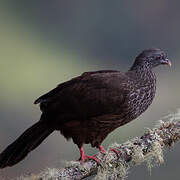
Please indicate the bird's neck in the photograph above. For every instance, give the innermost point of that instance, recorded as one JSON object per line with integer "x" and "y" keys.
{"x": 143, "y": 72}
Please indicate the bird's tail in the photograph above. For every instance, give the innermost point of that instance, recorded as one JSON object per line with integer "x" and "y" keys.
{"x": 28, "y": 141}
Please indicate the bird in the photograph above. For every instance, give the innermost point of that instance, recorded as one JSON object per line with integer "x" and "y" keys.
{"x": 89, "y": 107}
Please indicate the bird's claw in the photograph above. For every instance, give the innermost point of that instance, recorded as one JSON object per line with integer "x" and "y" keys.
{"x": 90, "y": 158}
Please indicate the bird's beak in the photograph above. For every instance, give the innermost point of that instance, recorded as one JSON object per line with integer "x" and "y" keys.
{"x": 166, "y": 61}
{"x": 169, "y": 63}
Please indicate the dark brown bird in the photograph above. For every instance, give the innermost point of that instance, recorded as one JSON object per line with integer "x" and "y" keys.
{"x": 89, "y": 107}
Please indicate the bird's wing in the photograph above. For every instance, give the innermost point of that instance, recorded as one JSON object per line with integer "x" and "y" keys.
{"x": 66, "y": 84}
{"x": 98, "y": 72}
{"x": 53, "y": 92}
{"x": 91, "y": 94}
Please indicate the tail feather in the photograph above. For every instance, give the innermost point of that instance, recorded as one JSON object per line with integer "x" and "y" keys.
{"x": 28, "y": 141}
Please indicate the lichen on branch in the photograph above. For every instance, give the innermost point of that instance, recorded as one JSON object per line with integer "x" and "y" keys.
{"x": 148, "y": 148}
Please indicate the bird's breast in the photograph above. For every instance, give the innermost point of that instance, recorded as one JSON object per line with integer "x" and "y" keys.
{"x": 137, "y": 101}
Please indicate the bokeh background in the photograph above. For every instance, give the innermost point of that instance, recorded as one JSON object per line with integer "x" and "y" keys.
{"x": 43, "y": 43}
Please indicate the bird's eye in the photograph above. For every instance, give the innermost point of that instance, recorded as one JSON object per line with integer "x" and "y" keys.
{"x": 159, "y": 57}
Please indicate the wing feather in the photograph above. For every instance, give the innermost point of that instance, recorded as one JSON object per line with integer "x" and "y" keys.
{"x": 91, "y": 94}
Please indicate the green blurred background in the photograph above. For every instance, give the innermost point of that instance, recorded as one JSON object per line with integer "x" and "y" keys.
{"x": 43, "y": 43}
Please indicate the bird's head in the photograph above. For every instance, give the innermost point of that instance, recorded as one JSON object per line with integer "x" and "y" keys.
{"x": 151, "y": 58}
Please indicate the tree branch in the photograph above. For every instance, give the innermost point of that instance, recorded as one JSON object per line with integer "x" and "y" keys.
{"x": 147, "y": 148}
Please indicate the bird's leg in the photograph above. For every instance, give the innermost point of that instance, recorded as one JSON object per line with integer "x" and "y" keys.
{"x": 115, "y": 151}
{"x": 84, "y": 157}
{"x": 101, "y": 149}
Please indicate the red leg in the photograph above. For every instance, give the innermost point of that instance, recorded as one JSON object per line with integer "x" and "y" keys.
{"x": 115, "y": 151}
{"x": 101, "y": 149}
{"x": 84, "y": 157}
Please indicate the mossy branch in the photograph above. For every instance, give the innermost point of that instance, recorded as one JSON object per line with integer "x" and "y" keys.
{"x": 147, "y": 148}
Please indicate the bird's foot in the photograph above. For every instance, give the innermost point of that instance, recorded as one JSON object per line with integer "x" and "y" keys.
{"x": 101, "y": 150}
{"x": 88, "y": 158}
{"x": 93, "y": 157}
{"x": 84, "y": 157}
{"x": 116, "y": 152}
